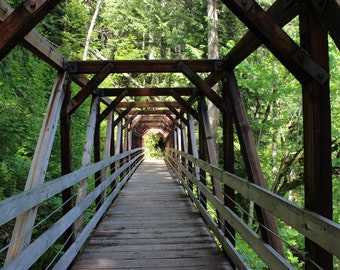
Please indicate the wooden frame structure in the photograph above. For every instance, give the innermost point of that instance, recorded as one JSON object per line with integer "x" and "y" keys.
{"x": 308, "y": 62}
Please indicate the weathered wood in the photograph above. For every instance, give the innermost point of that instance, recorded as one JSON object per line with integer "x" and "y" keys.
{"x": 123, "y": 114}
{"x": 149, "y": 104}
{"x": 18, "y": 204}
{"x": 136, "y": 231}
{"x": 251, "y": 159}
{"x": 112, "y": 106}
{"x": 89, "y": 88}
{"x": 265, "y": 251}
{"x": 22, "y": 232}
{"x": 319, "y": 229}
{"x": 21, "y": 21}
{"x": 86, "y": 159}
{"x": 144, "y": 66}
{"x": 185, "y": 106}
{"x": 36, "y": 43}
{"x": 329, "y": 12}
{"x": 203, "y": 87}
{"x": 32, "y": 253}
{"x": 142, "y": 92}
{"x": 296, "y": 60}
{"x": 317, "y": 132}
{"x": 281, "y": 11}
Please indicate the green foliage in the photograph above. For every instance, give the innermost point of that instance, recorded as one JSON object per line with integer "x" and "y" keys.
{"x": 154, "y": 144}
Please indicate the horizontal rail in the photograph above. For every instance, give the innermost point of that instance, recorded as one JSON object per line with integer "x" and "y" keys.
{"x": 319, "y": 229}
{"x": 18, "y": 204}
{"x": 42, "y": 243}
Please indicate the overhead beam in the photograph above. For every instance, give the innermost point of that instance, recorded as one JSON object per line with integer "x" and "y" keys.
{"x": 295, "y": 59}
{"x": 144, "y": 66}
{"x": 144, "y": 92}
{"x": 150, "y": 112}
{"x": 88, "y": 88}
{"x": 111, "y": 106}
{"x": 149, "y": 104}
{"x": 21, "y": 21}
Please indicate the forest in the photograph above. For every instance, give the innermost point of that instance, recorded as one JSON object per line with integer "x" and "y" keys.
{"x": 161, "y": 29}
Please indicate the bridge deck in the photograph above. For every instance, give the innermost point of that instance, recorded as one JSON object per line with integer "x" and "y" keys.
{"x": 152, "y": 225}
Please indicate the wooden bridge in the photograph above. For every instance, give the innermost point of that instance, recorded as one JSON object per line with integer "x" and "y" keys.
{"x": 146, "y": 224}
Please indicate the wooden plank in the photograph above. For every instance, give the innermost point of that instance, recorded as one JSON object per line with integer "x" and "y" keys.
{"x": 23, "y": 226}
{"x": 151, "y": 225}
{"x": 144, "y": 66}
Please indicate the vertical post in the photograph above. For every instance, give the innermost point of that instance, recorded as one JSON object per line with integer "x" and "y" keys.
{"x": 229, "y": 159}
{"x": 86, "y": 160}
{"x": 317, "y": 132}
{"x": 96, "y": 152}
{"x": 66, "y": 161}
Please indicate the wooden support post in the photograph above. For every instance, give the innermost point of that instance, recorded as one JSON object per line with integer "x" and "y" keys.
{"x": 107, "y": 149}
{"x": 251, "y": 160}
{"x": 96, "y": 152}
{"x": 22, "y": 231}
{"x": 212, "y": 154}
{"x": 86, "y": 160}
{"x": 66, "y": 162}
{"x": 317, "y": 133}
{"x": 191, "y": 131}
{"x": 229, "y": 159}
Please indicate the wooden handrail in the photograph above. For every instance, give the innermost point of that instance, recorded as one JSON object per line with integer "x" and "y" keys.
{"x": 41, "y": 193}
{"x": 321, "y": 230}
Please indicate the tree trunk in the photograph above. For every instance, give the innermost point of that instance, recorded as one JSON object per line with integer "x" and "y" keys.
{"x": 213, "y": 53}
{"x": 89, "y": 33}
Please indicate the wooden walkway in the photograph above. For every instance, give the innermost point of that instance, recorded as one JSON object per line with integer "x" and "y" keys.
{"x": 152, "y": 225}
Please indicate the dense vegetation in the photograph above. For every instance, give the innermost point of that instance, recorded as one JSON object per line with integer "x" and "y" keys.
{"x": 153, "y": 29}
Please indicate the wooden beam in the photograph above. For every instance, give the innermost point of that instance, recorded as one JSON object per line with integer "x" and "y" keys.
{"x": 123, "y": 114}
{"x": 149, "y": 104}
{"x": 145, "y": 92}
{"x": 21, "y": 21}
{"x": 251, "y": 159}
{"x": 178, "y": 114}
{"x": 184, "y": 104}
{"x": 329, "y": 12}
{"x": 144, "y": 66}
{"x": 296, "y": 60}
{"x": 36, "y": 43}
{"x": 204, "y": 87}
{"x": 150, "y": 112}
{"x": 317, "y": 132}
{"x": 111, "y": 106}
{"x": 22, "y": 231}
{"x": 281, "y": 12}
{"x": 88, "y": 89}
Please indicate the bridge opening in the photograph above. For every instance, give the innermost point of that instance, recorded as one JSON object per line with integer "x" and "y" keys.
{"x": 178, "y": 109}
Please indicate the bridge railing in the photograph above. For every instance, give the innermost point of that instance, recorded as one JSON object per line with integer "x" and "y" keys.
{"x": 322, "y": 231}
{"x": 101, "y": 193}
